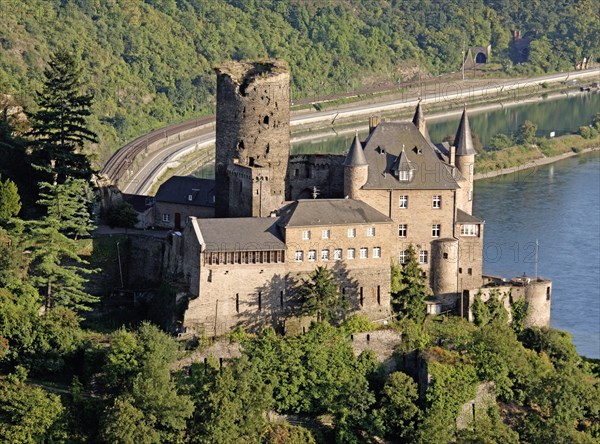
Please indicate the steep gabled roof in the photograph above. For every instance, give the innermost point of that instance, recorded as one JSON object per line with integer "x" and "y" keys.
{"x": 463, "y": 141}
{"x": 356, "y": 156}
{"x": 463, "y": 217}
{"x": 382, "y": 149}
{"x": 179, "y": 189}
{"x": 327, "y": 212}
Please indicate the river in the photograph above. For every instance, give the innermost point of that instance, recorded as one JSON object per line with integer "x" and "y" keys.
{"x": 559, "y": 206}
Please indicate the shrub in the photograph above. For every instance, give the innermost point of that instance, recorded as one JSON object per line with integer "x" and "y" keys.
{"x": 588, "y": 132}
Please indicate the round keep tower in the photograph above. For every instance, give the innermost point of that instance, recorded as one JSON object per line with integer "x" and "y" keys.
{"x": 444, "y": 266}
{"x": 538, "y": 295}
{"x": 465, "y": 160}
{"x": 252, "y": 127}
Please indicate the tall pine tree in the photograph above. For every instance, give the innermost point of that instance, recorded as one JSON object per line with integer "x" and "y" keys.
{"x": 59, "y": 128}
{"x": 409, "y": 289}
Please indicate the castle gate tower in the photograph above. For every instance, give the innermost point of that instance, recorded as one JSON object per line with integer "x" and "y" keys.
{"x": 252, "y": 137}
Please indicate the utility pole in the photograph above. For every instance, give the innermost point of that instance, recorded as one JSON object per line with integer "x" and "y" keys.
{"x": 120, "y": 267}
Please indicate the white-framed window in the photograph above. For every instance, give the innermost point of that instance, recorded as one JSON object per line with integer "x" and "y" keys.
{"x": 403, "y": 201}
{"x": 405, "y": 175}
{"x": 325, "y": 234}
{"x": 364, "y": 253}
{"x": 470, "y": 194}
{"x": 376, "y": 252}
{"x": 324, "y": 255}
{"x": 190, "y": 197}
{"x": 471, "y": 167}
{"x": 337, "y": 254}
{"x": 351, "y": 232}
{"x": 402, "y": 230}
{"x": 306, "y": 235}
{"x": 469, "y": 230}
{"x": 423, "y": 256}
{"x": 436, "y": 202}
{"x": 166, "y": 217}
{"x": 371, "y": 231}
{"x": 403, "y": 257}
{"x": 299, "y": 255}
{"x": 435, "y": 230}
{"x": 312, "y": 255}
{"x": 350, "y": 253}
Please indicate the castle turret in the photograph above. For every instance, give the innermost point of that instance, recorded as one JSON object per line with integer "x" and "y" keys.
{"x": 419, "y": 121}
{"x": 356, "y": 169}
{"x": 465, "y": 160}
{"x": 252, "y": 137}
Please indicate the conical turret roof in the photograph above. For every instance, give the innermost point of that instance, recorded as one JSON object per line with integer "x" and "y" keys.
{"x": 419, "y": 121}
{"x": 463, "y": 141}
{"x": 356, "y": 155}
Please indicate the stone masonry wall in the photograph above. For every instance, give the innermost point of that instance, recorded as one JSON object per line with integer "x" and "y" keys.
{"x": 253, "y": 115}
{"x": 324, "y": 171}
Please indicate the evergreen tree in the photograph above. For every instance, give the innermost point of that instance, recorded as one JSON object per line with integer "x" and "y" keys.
{"x": 57, "y": 269}
{"x": 320, "y": 297}
{"x": 409, "y": 289}
{"x": 123, "y": 215}
{"x": 59, "y": 129}
{"x": 68, "y": 204}
{"x": 10, "y": 201}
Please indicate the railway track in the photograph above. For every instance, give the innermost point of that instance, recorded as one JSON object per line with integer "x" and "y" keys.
{"x": 118, "y": 163}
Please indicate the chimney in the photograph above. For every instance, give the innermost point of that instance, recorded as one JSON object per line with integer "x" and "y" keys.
{"x": 452, "y": 155}
{"x": 373, "y": 122}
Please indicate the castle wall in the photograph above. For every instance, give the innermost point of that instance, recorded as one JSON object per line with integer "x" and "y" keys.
{"x": 444, "y": 266}
{"x": 537, "y": 294}
{"x": 252, "y": 126}
{"x": 324, "y": 171}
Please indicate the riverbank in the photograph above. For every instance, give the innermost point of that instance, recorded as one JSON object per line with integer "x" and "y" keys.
{"x": 532, "y": 164}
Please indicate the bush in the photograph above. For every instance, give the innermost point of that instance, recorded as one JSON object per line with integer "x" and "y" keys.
{"x": 588, "y": 132}
{"x": 499, "y": 142}
{"x": 123, "y": 215}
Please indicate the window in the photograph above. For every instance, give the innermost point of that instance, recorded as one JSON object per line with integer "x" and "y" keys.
{"x": 364, "y": 253}
{"x": 405, "y": 175}
{"x": 299, "y": 256}
{"x": 312, "y": 255}
{"x": 436, "y": 202}
{"x": 376, "y": 252}
{"x": 350, "y": 254}
{"x": 403, "y": 257}
{"x": 435, "y": 230}
{"x": 471, "y": 169}
{"x": 325, "y": 234}
{"x": 402, "y": 230}
{"x": 337, "y": 254}
{"x": 371, "y": 231}
{"x": 306, "y": 235}
{"x": 423, "y": 256}
{"x": 351, "y": 232}
{"x": 470, "y": 194}
{"x": 470, "y": 271}
{"x": 324, "y": 255}
{"x": 403, "y": 201}
{"x": 166, "y": 217}
{"x": 469, "y": 230}
{"x": 190, "y": 197}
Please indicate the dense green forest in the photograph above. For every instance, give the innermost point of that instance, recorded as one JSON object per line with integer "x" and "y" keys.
{"x": 149, "y": 63}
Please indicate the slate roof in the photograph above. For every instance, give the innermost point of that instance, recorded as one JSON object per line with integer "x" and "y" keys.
{"x": 178, "y": 190}
{"x": 384, "y": 145}
{"x": 466, "y": 218}
{"x": 139, "y": 202}
{"x": 239, "y": 234}
{"x": 355, "y": 156}
{"x": 463, "y": 141}
{"x": 419, "y": 122}
{"x": 326, "y": 212}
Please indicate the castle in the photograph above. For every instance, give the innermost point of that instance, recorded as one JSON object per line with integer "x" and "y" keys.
{"x": 394, "y": 189}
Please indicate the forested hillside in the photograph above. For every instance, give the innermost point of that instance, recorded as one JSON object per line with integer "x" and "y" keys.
{"x": 149, "y": 63}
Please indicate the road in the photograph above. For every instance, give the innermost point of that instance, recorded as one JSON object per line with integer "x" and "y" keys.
{"x": 153, "y": 166}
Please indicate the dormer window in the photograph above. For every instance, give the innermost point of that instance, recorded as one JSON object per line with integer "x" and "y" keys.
{"x": 405, "y": 175}
{"x": 190, "y": 197}
{"x": 402, "y": 168}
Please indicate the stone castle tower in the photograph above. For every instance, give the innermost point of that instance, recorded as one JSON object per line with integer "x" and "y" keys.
{"x": 252, "y": 137}
{"x": 356, "y": 169}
